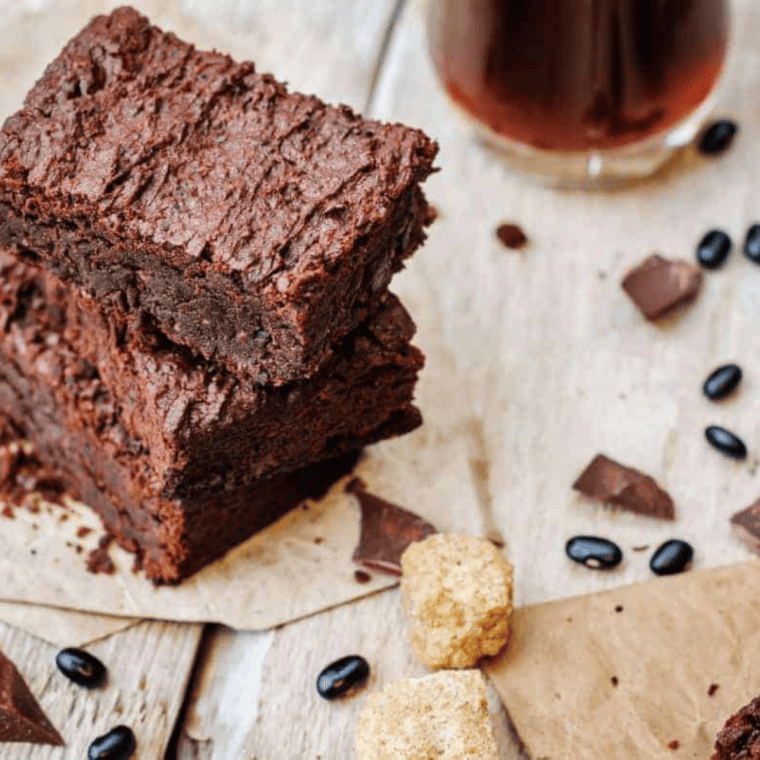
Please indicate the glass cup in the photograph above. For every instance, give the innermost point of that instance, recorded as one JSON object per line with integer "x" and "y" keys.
{"x": 582, "y": 92}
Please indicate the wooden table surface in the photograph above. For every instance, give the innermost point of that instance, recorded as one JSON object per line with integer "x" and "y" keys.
{"x": 252, "y": 695}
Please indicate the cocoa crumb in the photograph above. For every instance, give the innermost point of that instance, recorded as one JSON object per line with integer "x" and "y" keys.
{"x": 511, "y": 235}
{"x": 8, "y": 512}
{"x": 619, "y": 608}
{"x": 361, "y": 577}
{"x": 675, "y": 744}
{"x": 83, "y": 531}
{"x": 713, "y": 688}
{"x": 99, "y": 560}
{"x": 614, "y": 680}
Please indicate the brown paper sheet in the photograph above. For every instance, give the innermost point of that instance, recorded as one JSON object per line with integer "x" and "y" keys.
{"x": 62, "y": 628}
{"x": 673, "y": 638}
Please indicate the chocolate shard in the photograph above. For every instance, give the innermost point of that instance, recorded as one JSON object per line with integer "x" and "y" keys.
{"x": 386, "y": 531}
{"x": 746, "y": 525}
{"x": 614, "y": 483}
{"x": 658, "y": 286}
{"x": 21, "y": 718}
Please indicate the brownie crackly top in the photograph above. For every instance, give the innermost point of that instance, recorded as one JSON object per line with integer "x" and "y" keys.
{"x": 201, "y": 158}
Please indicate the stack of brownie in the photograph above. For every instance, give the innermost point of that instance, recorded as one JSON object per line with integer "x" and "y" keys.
{"x": 196, "y": 326}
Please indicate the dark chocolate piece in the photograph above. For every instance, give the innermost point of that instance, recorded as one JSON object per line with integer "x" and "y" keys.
{"x": 614, "y": 483}
{"x": 343, "y": 676}
{"x": 717, "y": 137}
{"x": 722, "y": 381}
{"x": 21, "y": 718}
{"x": 118, "y": 744}
{"x": 594, "y": 552}
{"x": 746, "y": 524}
{"x": 386, "y": 531}
{"x": 174, "y": 183}
{"x": 726, "y": 442}
{"x": 739, "y": 739}
{"x": 672, "y": 557}
{"x": 658, "y": 286}
{"x": 713, "y": 249}
{"x": 511, "y": 235}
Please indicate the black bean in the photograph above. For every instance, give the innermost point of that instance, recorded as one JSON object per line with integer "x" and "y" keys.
{"x": 342, "y": 676}
{"x": 722, "y": 381}
{"x": 118, "y": 744}
{"x": 726, "y": 442}
{"x": 752, "y": 244}
{"x": 81, "y": 667}
{"x": 592, "y": 551}
{"x": 713, "y": 249}
{"x": 672, "y": 557}
{"x": 718, "y": 136}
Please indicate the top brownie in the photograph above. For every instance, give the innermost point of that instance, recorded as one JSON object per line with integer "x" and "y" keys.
{"x": 251, "y": 224}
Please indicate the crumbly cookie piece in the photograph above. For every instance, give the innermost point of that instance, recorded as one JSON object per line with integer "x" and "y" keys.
{"x": 442, "y": 716}
{"x": 457, "y": 594}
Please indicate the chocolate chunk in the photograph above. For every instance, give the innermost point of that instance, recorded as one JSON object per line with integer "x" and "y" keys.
{"x": 594, "y": 552}
{"x": 21, "y": 718}
{"x": 726, "y": 442}
{"x": 717, "y": 137}
{"x": 746, "y": 524}
{"x": 614, "y": 483}
{"x": 658, "y": 286}
{"x": 386, "y": 531}
{"x": 739, "y": 739}
{"x": 511, "y": 235}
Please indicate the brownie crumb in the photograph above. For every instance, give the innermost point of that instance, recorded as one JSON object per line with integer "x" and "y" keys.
{"x": 99, "y": 560}
{"x": 511, "y": 235}
{"x": 361, "y": 577}
{"x": 713, "y": 688}
{"x": 8, "y": 512}
{"x": 83, "y": 531}
{"x": 675, "y": 744}
{"x": 614, "y": 680}
{"x": 619, "y": 608}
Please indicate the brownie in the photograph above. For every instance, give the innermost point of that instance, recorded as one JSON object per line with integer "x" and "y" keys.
{"x": 255, "y": 226}
{"x": 739, "y": 739}
{"x": 201, "y": 425}
{"x": 181, "y": 459}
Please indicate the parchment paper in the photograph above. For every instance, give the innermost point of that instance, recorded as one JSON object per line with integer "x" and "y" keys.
{"x": 62, "y": 628}
{"x": 673, "y": 639}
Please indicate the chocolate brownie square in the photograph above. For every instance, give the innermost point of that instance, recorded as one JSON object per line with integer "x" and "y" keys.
{"x": 181, "y": 458}
{"x": 255, "y": 226}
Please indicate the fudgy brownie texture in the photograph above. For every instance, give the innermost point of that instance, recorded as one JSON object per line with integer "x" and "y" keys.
{"x": 739, "y": 739}
{"x": 202, "y": 426}
{"x": 253, "y": 225}
{"x": 172, "y": 454}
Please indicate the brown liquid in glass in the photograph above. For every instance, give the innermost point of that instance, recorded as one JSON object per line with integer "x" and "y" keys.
{"x": 579, "y": 74}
